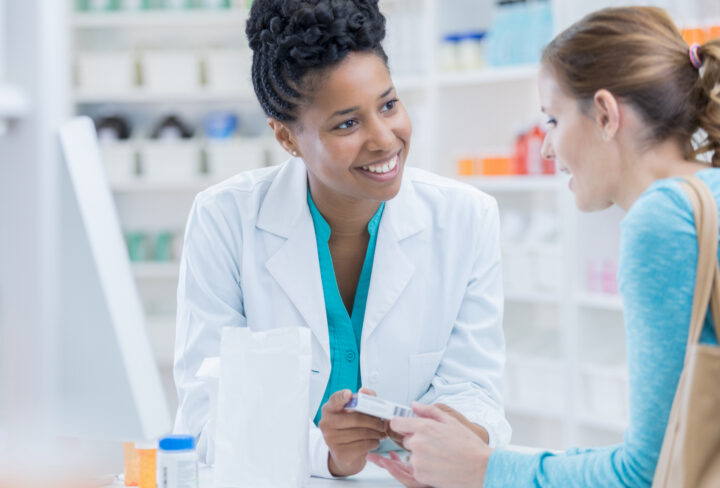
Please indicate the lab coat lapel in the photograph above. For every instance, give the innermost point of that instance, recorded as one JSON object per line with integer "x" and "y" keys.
{"x": 295, "y": 266}
{"x": 392, "y": 268}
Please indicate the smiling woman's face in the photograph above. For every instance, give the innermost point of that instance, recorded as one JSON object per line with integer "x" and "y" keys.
{"x": 354, "y": 134}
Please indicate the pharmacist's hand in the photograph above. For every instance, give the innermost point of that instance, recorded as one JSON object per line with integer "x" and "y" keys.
{"x": 444, "y": 452}
{"x": 349, "y": 435}
{"x": 479, "y": 431}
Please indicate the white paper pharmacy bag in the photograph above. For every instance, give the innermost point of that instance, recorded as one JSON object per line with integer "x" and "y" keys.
{"x": 261, "y": 434}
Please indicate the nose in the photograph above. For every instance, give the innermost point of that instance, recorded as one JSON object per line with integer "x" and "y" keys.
{"x": 547, "y": 150}
{"x": 381, "y": 136}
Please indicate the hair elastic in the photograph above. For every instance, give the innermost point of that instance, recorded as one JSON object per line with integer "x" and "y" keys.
{"x": 694, "y": 58}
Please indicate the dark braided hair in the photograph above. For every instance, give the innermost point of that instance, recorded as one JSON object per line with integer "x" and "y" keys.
{"x": 294, "y": 39}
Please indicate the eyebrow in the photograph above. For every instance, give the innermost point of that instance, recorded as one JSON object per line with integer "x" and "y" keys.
{"x": 353, "y": 109}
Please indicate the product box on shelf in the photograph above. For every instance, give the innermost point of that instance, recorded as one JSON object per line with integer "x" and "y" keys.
{"x": 170, "y": 71}
{"x": 604, "y": 392}
{"x": 119, "y": 159}
{"x": 228, "y": 157}
{"x": 228, "y": 70}
{"x": 535, "y": 378}
{"x": 106, "y": 72}
{"x": 176, "y": 161}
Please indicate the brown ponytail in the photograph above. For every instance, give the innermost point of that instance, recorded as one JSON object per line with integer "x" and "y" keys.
{"x": 639, "y": 55}
{"x": 709, "y": 99}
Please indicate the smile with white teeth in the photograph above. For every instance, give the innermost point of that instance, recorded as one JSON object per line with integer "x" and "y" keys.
{"x": 382, "y": 167}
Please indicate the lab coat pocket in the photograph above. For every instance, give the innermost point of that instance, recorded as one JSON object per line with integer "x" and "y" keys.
{"x": 421, "y": 370}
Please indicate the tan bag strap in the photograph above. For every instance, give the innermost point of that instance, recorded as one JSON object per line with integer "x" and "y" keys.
{"x": 707, "y": 281}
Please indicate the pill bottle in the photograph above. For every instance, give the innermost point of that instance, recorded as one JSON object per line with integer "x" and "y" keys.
{"x": 132, "y": 464}
{"x": 177, "y": 462}
{"x": 146, "y": 454}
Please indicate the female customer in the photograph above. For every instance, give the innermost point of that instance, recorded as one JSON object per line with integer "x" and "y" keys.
{"x": 624, "y": 96}
{"x": 395, "y": 271}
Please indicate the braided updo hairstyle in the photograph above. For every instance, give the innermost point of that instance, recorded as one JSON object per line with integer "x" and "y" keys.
{"x": 293, "y": 41}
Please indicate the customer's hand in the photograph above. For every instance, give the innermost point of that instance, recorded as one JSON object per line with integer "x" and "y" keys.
{"x": 400, "y": 470}
{"x": 349, "y": 435}
{"x": 444, "y": 452}
{"x": 480, "y": 431}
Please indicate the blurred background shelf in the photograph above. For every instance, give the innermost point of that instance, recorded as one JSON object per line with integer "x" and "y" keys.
{"x": 520, "y": 183}
{"x": 234, "y": 17}
{"x": 156, "y": 270}
{"x": 140, "y": 97}
{"x": 524, "y": 73}
{"x": 602, "y": 301}
{"x": 617, "y": 426}
{"x": 131, "y": 187}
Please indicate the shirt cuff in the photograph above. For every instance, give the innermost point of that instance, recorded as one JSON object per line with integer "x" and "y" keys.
{"x": 318, "y": 453}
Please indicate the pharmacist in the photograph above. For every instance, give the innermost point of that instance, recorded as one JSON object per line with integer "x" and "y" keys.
{"x": 396, "y": 271}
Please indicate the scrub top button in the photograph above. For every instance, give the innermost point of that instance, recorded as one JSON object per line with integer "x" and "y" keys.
{"x": 350, "y": 356}
{"x": 374, "y": 377}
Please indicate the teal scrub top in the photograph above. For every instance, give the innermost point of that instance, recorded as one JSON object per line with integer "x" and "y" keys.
{"x": 344, "y": 329}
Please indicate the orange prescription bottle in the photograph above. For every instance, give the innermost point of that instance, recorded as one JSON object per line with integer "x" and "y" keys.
{"x": 148, "y": 474}
{"x": 132, "y": 464}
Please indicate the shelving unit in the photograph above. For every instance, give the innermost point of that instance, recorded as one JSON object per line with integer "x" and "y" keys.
{"x": 152, "y": 19}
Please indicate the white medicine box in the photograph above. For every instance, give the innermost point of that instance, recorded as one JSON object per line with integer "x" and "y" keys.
{"x": 109, "y": 72}
{"x": 119, "y": 159}
{"x": 228, "y": 157}
{"x": 170, "y": 71}
{"x": 228, "y": 70}
{"x": 170, "y": 161}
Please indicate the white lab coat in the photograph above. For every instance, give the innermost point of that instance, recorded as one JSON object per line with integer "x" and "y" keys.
{"x": 433, "y": 323}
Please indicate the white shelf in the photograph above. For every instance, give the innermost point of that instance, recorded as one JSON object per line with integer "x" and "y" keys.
{"x": 601, "y": 301}
{"x": 515, "y": 183}
{"x": 152, "y": 187}
{"x": 161, "y": 18}
{"x": 603, "y": 423}
{"x": 143, "y": 97}
{"x": 528, "y": 411}
{"x": 156, "y": 270}
{"x": 161, "y": 332}
{"x": 409, "y": 83}
{"x": 525, "y": 73}
{"x": 532, "y": 297}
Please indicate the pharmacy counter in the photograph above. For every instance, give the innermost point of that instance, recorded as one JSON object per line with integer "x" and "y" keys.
{"x": 372, "y": 476}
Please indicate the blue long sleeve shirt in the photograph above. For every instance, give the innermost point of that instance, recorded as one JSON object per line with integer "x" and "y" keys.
{"x": 656, "y": 276}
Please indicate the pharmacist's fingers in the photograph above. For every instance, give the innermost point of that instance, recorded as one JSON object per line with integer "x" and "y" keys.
{"x": 348, "y": 436}
{"x": 337, "y": 401}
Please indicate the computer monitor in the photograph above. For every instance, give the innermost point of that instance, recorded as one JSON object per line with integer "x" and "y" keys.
{"x": 108, "y": 383}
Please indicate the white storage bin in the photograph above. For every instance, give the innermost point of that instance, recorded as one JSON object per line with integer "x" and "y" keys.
{"x": 170, "y": 71}
{"x": 547, "y": 267}
{"x": 108, "y": 72}
{"x": 228, "y": 70}
{"x": 536, "y": 383}
{"x": 604, "y": 392}
{"x": 228, "y": 157}
{"x": 119, "y": 160}
{"x": 170, "y": 161}
{"x": 517, "y": 269}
